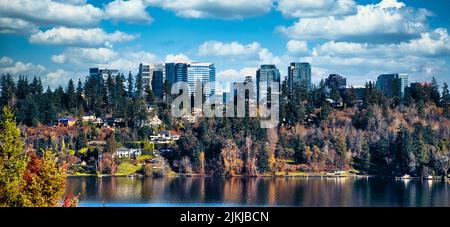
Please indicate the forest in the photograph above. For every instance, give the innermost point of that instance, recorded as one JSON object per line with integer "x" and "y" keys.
{"x": 378, "y": 136}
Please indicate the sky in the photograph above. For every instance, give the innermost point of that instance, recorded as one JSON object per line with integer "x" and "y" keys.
{"x": 359, "y": 39}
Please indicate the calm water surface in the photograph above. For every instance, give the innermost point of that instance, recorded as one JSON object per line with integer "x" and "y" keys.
{"x": 289, "y": 191}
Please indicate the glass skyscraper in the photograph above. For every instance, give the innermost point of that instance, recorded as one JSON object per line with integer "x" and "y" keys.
{"x": 203, "y": 72}
{"x": 392, "y": 84}
{"x": 158, "y": 83}
{"x": 299, "y": 72}
{"x": 264, "y": 75}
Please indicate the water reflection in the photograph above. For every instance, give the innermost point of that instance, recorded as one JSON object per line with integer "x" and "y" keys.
{"x": 258, "y": 191}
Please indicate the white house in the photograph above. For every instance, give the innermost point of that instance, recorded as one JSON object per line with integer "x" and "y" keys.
{"x": 123, "y": 152}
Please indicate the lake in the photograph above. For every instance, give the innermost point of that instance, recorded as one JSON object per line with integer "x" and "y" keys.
{"x": 258, "y": 191}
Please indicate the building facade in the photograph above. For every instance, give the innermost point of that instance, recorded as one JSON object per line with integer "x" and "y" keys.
{"x": 176, "y": 72}
{"x": 158, "y": 83}
{"x": 392, "y": 84}
{"x": 201, "y": 72}
{"x": 102, "y": 72}
{"x": 298, "y": 72}
{"x": 335, "y": 81}
{"x": 264, "y": 76}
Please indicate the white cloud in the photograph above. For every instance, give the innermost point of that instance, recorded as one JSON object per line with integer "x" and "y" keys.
{"x": 6, "y": 60}
{"x": 236, "y": 9}
{"x": 132, "y": 11}
{"x": 217, "y": 48}
{"x": 316, "y": 8}
{"x": 124, "y": 61}
{"x": 180, "y": 58}
{"x": 57, "y": 77}
{"x": 232, "y": 75}
{"x": 12, "y": 25}
{"x": 59, "y": 58}
{"x": 79, "y": 37}
{"x": 388, "y": 20}
{"x": 85, "y": 56}
{"x": 297, "y": 47}
{"x": 7, "y": 65}
{"x": 47, "y": 12}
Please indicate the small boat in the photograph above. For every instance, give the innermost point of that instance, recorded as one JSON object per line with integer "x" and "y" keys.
{"x": 404, "y": 177}
{"x": 429, "y": 177}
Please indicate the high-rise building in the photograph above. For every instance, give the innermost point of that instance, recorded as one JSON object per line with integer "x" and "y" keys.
{"x": 264, "y": 76}
{"x": 203, "y": 72}
{"x": 146, "y": 72}
{"x": 158, "y": 83}
{"x": 102, "y": 72}
{"x": 335, "y": 81}
{"x": 392, "y": 84}
{"x": 297, "y": 73}
{"x": 176, "y": 72}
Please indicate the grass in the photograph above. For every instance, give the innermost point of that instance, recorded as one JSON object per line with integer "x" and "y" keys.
{"x": 143, "y": 158}
{"x": 126, "y": 168}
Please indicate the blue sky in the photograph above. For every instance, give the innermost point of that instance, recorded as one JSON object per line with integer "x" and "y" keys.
{"x": 360, "y": 39}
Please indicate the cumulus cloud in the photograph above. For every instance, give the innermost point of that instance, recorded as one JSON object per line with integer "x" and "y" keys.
{"x": 217, "y": 48}
{"x": 132, "y": 11}
{"x": 297, "y": 47}
{"x": 179, "y": 58}
{"x": 85, "y": 56}
{"x": 389, "y": 20}
{"x": 47, "y": 12}
{"x": 79, "y": 37}
{"x": 316, "y": 8}
{"x": 232, "y": 75}
{"x": 104, "y": 57}
{"x": 18, "y": 26}
{"x": 236, "y": 9}
{"x": 8, "y": 65}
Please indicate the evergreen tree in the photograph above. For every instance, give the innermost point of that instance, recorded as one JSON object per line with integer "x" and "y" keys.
{"x": 13, "y": 161}
{"x": 404, "y": 158}
{"x": 130, "y": 84}
{"x": 8, "y": 89}
{"x": 434, "y": 93}
{"x": 139, "y": 85}
{"x": 445, "y": 100}
{"x": 299, "y": 150}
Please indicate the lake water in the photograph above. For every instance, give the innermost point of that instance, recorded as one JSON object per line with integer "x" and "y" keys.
{"x": 260, "y": 191}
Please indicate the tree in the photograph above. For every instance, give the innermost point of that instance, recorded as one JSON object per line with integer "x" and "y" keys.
{"x": 13, "y": 161}
{"x": 404, "y": 151}
{"x": 45, "y": 181}
{"x": 106, "y": 164}
{"x": 434, "y": 93}
{"x": 299, "y": 150}
{"x": 445, "y": 100}
{"x": 130, "y": 84}
{"x": 232, "y": 161}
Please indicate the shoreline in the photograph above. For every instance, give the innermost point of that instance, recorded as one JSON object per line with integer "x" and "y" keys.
{"x": 291, "y": 175}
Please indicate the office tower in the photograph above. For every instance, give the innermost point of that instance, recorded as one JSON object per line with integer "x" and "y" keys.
{"x": 176, "y": 72}
{"x": 264, "y": 76}
{"x": 203, "y": 72}
{"x": 102, "y": 72}
{"x": 146, "y": 72}
{"x": 392, "y": 84}
{"x": 299, "y": 73}
{"x": 158, "y": 83}
{"x": 335, "y": 81}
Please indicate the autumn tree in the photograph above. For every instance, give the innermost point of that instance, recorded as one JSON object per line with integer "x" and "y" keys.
{"x": 13, "y": 161}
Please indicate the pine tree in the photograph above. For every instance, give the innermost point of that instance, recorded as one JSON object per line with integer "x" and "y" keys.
{"x": 434, "y": 93}
{"x": 404, "y": 151}
{"x": 130, "y": 84}
{"x": 13, "y": 161}
{"x": 445, "y": 100}
{"x": 299, "y": 150}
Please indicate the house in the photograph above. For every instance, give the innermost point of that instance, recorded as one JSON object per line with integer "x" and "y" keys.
{"x": 124, "y": 152}
{"x": 115, "y": 122}
{"x": 164, "y": 136}
{"x": 67, "y": 121}
{"x": 92, "y": 119}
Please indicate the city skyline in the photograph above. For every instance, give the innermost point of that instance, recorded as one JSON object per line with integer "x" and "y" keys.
{"x": 335, "y": 36}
